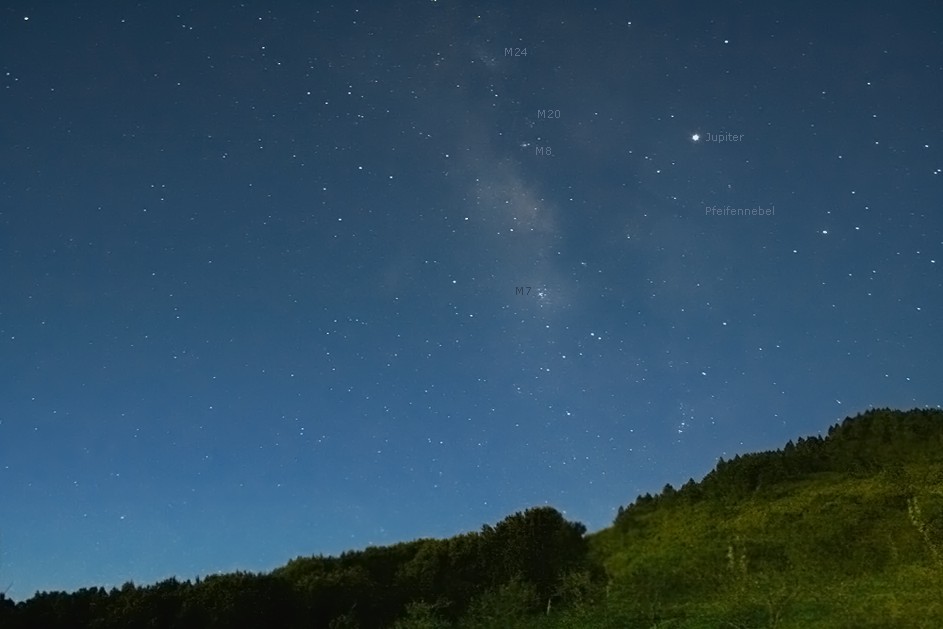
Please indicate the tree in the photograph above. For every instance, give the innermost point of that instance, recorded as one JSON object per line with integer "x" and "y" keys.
{"x": 421, "y": 615}
{"x": 7, "y": 611}
{"x": 500, "y": 606}
{"x": 538, "y": 546}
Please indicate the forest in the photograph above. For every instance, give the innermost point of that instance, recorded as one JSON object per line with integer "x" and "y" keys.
{"x": 839, "y": 530}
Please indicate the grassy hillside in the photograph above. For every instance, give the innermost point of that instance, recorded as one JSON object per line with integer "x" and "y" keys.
{"x": 840, "y": 531}
{"x": 845, "y": 531}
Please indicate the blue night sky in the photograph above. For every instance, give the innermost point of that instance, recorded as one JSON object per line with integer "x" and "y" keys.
{"x": 259, "y": 261}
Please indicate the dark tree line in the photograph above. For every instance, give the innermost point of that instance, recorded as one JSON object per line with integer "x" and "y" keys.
{"x": 536, "y": 552}
{"x": 877, "y": 441}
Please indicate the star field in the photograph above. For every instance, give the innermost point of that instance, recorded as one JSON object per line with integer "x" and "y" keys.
{"x": 290, "y": 279}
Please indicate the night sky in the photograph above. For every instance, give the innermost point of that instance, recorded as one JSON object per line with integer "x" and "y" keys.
{"x": 261, "y": 268}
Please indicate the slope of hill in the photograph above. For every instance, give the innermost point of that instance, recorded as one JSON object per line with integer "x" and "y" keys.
{"x": 840, "y": 531}
{"x": 845, "y": 531}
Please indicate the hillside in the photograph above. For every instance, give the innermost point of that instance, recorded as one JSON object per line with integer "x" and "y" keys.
{"x": 844, "y": 530}
{"x": 841, "y": 531}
